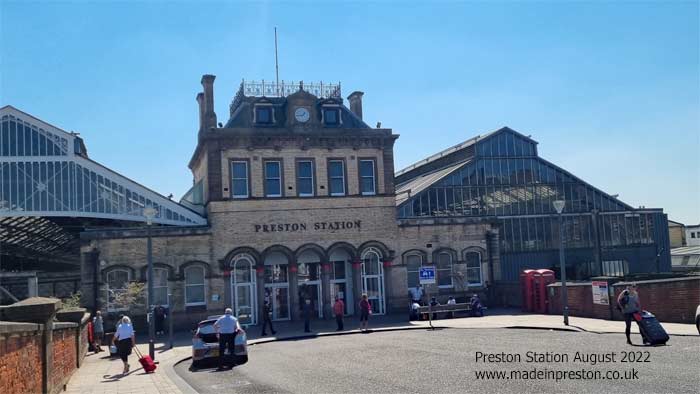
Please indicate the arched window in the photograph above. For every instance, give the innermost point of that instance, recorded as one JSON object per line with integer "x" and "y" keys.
{"x": 413, "y": 263}
{"x": 444, "y": 269}
{"x": 242, "y": 269}
{"x": 473, "y": 261}
{"x": 371, "y": 262}
{"x": 160, "y": 286}
{"x": 117, "y": 282}
{"x": 195, "y": 285}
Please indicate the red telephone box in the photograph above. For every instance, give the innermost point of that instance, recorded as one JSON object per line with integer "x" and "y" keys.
{"x": 542, "y": 278}
{"x": 526, "y": 287}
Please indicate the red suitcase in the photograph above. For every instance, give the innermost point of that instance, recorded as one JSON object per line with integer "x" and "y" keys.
{"x": 146, "y": 361}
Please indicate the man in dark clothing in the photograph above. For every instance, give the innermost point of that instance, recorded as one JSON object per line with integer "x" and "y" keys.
{"x": 159, "y": 314}
{"x": 475, "y": 306}
{"x": 267, "y": 312}
{"x": 308, "y": 311}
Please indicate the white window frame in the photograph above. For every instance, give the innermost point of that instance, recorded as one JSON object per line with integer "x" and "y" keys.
{"x": 167, "y": 285}
{"x": 439, "y": 271}
{"x": 279, "y": 178}
{"x": 203, "y": 284}
{"x": 330, "y": 177}
{"x": 417, "y": 272}
{"x": 481, "y": 271}
{"x": 313, "y": 182}
{"x": 233, "y": 180}
{"x": 128, "y": 279}
{"x": 373, "y": 176}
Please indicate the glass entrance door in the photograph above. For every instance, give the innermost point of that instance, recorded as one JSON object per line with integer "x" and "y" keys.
{"x": 243, "y": 290}
{"x": 278, "y": 295}
{"x": 373, "y": 281}
{"x": 311, "y": 290}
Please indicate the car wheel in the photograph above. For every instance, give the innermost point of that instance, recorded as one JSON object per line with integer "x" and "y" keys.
{"x": 196, "y": 364}
{"x": 240, "y": 360}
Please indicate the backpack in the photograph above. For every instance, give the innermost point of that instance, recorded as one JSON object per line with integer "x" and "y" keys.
{"x": 625, "y": 298}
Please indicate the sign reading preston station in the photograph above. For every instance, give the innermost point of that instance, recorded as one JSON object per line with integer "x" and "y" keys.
{"x": 318, "y": 226}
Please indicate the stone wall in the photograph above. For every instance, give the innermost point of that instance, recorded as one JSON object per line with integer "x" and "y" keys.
{"x": 671, "y": 300}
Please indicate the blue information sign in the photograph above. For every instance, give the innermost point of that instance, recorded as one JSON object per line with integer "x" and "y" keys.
{"x": 427, "y": 275}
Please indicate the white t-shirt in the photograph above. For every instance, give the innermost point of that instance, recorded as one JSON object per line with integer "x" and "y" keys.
{"x": 227, "y": 324}
{"x": 416, "y": 293}
{"x": 124, "y": 331}
{"x": 451, "y": 302}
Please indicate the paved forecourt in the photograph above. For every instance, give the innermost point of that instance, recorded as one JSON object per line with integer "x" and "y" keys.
{"x": 448, "y": 361}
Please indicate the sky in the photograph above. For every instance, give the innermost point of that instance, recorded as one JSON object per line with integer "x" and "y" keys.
{"x": 610, "y": 90}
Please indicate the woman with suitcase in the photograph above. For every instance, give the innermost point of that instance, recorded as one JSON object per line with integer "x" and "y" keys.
{"x": 628, "y": 303}
{"x": 125, "y": 339}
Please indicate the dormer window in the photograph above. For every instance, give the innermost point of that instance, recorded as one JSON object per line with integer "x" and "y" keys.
{"x": 263, "y": 114}
{"x": 331, "y": 116}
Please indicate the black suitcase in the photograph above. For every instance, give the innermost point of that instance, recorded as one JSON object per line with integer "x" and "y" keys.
{"x": 651, "y": 329}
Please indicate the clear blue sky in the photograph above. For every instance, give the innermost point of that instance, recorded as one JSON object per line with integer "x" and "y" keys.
{"x": 610, "y": 90}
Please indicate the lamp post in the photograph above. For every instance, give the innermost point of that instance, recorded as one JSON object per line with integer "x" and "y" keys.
{"x": 150, "y": 213}
{"x": 559, "y": 206}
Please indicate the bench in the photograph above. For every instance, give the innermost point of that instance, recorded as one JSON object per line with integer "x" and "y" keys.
{"x": 444, "y": 309}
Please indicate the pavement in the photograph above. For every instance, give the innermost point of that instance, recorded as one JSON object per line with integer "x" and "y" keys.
{"x": 102, "y": 374}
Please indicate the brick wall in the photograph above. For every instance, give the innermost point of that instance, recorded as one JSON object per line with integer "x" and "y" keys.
{"x": 64, "y": 360}
{"x": 20, "y": 354}
{"x": 671, "y": 300}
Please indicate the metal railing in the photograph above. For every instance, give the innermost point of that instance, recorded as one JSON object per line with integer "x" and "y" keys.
{"x": 283, "y": 89}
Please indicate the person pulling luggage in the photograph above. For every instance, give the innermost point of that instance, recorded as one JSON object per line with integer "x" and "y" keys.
{"x": 628, "y": 303}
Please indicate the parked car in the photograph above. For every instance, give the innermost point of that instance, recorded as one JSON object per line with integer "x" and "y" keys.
{"x": 697, "y": 319}
{"x": 205, "y": 344}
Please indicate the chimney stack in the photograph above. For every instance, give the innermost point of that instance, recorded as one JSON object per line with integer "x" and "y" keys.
{"x": 209, "y": 114}
{"x": 200, "y": 101}
{"x": 355, "y": 99}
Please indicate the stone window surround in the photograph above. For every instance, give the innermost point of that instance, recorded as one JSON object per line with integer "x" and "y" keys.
{"x": 345, "y": 176}
{"x": 374, "y": 176}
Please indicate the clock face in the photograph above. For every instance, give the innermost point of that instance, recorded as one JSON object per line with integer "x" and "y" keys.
{"x": 301, "y": 114}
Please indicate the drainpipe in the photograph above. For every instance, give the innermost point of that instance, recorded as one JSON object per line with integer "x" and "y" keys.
{"x": 489, "y": 238}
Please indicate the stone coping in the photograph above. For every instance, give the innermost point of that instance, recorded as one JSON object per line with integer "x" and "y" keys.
{"x": 61, "y": 325}
{"x": 11, "y": 327}
{"x": 651, "y": 281}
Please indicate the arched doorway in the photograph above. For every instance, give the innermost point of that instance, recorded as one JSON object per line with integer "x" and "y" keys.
{"x": 340, "y": 278}
{"x": 277, "y": 284}
{"x": 243, "y": 289}
{"x": 373, "y": 279}
{"x": 309, "y": 281}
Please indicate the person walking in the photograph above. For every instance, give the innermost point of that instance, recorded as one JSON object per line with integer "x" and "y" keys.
{"x": 365, "y": 311}
{"x": 125, "y": 340}
{"x": 267, "y": 321}
{"x": 160, "y": 315}
{"x": 628, "y": 303}
{"x": 226, "y": 329}
{"x": 339, "y": 311}
{"x": 98, "y": 330}
{"x": 308, "y": 311}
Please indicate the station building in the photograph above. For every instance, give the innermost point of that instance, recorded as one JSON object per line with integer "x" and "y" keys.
{"x": 302, "y": 201}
